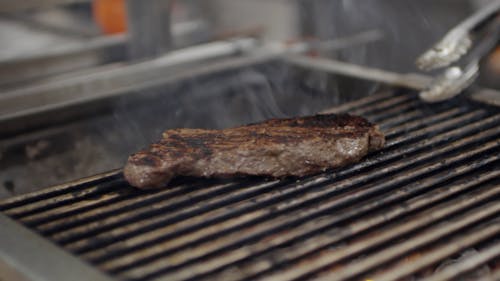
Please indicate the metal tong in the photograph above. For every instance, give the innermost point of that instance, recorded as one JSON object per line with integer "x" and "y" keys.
{"x": 466, "y": 44}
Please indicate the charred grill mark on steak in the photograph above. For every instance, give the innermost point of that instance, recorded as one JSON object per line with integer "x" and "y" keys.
{"x": 277, "y": 148}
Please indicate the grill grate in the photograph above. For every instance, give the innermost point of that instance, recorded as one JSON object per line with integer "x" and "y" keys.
{"x": 429, "y": 195}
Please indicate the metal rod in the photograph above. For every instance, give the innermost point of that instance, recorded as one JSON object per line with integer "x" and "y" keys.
{"x": 20, "y": 107}
{"x": 61, "y": 59}
{"x": 411, "y": 80}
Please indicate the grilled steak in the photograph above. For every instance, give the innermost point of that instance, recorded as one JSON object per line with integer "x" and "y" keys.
{"x": 276, "y": 148}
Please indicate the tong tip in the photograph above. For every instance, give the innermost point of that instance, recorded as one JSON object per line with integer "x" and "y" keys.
{"x": 450, "y": 84}
{"x": 447, "y": 51}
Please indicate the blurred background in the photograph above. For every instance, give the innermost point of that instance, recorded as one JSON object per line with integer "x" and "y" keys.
{"x": 84, "y": 83}
{"x": 408, "y": 26}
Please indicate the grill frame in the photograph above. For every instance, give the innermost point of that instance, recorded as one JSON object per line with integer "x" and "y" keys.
{"x": 75, "y": 194}
{"x": 38, "y": 259}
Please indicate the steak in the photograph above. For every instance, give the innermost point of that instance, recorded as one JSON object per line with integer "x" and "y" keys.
{"x": 276, "y": 148}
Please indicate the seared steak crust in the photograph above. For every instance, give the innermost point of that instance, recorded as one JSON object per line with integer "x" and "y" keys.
{"x": 277, "y": 148}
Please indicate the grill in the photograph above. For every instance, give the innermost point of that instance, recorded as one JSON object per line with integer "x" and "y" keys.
{"x": 426, "y": 206}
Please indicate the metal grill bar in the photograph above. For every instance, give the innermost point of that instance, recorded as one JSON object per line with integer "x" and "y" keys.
{"x": 310, "y": 246}
{"x": 452, "y": 271}
{"x": 348, "y": 106}
{"x": 431, "y": 235}
{"x": 431, "y": 216}
{"x": 399, "y": 120}
{"x": 324, "y": 206}
{"x": 436, "y": 140}
{"x": 428, "y": 155}
{"x": 44, "y": 194}
{"x": 210, "y": 198}
{"x": 417, "y": 124}
{"x": 439, "y": 127}
{"x": 65, "y": 199}
{"x": 101, "y": 219}
{"x": 384, "y": 105}
{"x": 282, "y": 239}
{"x": 184, "y": 259}
{"x": 465, "y": 141}
{"x": 391, "y": 112}
{"x": 83, "y": 210}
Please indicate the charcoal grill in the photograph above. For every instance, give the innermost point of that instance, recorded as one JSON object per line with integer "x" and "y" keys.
{"x": 425, "y": 207}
